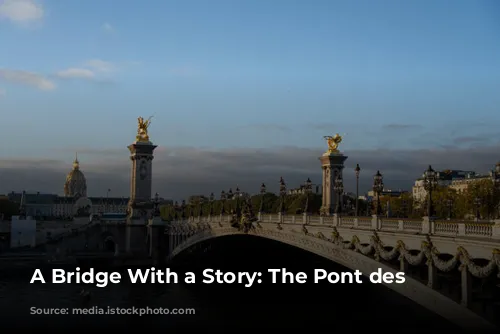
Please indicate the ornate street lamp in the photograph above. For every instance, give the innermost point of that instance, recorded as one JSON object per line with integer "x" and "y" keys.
{"x": 357, "y": 170}
{"x": 263, "y": 191}
{"x": 222, "y": 201}
{"x": 308, "y": 185}
{"x": 338, "y": 187}
{"x": 449, "y": 204}
{"x": 308, "y": 191}
{"x": 183, "y": 209}
{"x": 348, "y": 206}
{"x": 176, "y": 210}
{"x": 157, "y": 204}
{"x": 430, "y": 184}
{"x": 282, "y": 195}
{"x": 378, "y": 187}
{"x": 404, "y": 207}
{"x": 212, "y": 199}
{"x": 477, "y": 205}
{"x": 200, "y": 210}
{"x": 237, "y": 194}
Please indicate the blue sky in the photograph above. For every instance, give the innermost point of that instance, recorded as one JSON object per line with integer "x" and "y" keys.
{"x": 74, "y": 75}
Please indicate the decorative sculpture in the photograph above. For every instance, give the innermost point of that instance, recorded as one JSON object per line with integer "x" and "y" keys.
{"x": 142, "y": 129}
{"x": 333, "y": 143}
{"x": 244, "y": 222}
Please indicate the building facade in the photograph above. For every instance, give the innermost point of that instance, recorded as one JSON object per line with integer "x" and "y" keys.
{"x": 74, "y": 202}
{"x": 458, "y": 180}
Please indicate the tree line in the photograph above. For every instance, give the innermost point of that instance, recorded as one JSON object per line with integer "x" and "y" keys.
{"x": 478, "y": 199}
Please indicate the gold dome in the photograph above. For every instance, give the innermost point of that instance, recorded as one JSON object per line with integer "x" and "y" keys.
{"x": 76, "y": 184}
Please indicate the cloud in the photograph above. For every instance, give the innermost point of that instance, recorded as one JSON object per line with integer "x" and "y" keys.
{"x": 471, "y": 139}
{"x": 100, "y": 65}
{"x": 2, "y": 92}
{"x": 182, "y": 171}
{"x": 81, "y": 73}
{"x": 108, "y": 28}
{"x": 89, "y": 70}
{"x": 21, "y": 11}
{"x": 27, "y": 78}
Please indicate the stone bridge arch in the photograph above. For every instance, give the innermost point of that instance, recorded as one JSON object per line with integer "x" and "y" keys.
{"x": 321, "y": 246}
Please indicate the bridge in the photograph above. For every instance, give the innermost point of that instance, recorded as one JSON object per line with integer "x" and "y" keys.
{"x": 451, "y": 267}
{"x": 460, "y": 259}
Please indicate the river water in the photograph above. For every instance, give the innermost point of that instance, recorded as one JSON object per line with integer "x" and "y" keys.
{"x": 220, "y": 307}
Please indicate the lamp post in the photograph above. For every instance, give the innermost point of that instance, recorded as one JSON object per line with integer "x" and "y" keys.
{"x": 200, "y": 210}
{"x": 430, "y": 183}
{"x": 308, "y": 185}
{"x": 263, "y": 191}
{"x": 378, "y": 187}
{"x": 449, "y": 204}
{"x": 338, "y": 187}
{"x": 308, "y": 191}
{"x": 477, "y": 205}
{"x": 357, "y": 170}
{"x": 183, "y": 209}
{"x": 212, "y": 198}
{"x": 176, "y": 210}
{"x": 223, "y": 201}
{"x": 282, "y": 195}
{"x": 157, "y": 204}
{"x": 404, "y": 205}
{"x": 237, "y": 194}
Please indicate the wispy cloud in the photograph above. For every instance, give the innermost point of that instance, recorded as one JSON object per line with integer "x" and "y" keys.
{"x": 100, "y": 65}
{"x": 89, "y": 70}
{"x": 80, "y": 73}
{"x": 108, "y": 28}
{"x": 21, "y": 11}
{"x": 27, "y": 78}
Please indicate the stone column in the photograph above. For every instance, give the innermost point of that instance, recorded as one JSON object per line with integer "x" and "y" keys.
{"x": 332, "y": 164}
{"x": 140, "y": 206}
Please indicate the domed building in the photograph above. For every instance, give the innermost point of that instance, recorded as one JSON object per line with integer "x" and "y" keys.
{"x": 76, "y": 184}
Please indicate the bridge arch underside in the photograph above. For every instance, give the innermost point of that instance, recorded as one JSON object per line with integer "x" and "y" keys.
{"x": 411, "y": 289}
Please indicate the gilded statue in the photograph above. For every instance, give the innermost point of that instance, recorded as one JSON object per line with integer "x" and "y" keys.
{"x": 333, "y": 143}
{"x": 142, "y": 129}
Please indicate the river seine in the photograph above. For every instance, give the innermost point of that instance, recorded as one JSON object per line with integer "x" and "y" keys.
{"x": 219, "y": 307}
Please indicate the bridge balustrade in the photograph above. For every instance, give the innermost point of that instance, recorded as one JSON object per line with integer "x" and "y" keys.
{"x": 447, "y": 228}
{"x": 450, "y": 251}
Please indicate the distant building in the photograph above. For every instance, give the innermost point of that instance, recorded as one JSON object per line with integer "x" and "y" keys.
{"x": 385, "y": 193}
{"x": 454, "y": 179}
{"x": 74, "y": 202}
{"x": 302, "y": 189}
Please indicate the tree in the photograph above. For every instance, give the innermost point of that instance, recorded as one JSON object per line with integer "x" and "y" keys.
{"x": 8, "y": 208}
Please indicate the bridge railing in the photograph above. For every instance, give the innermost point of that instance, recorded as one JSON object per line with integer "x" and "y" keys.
{"x": 478, "y": 229}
